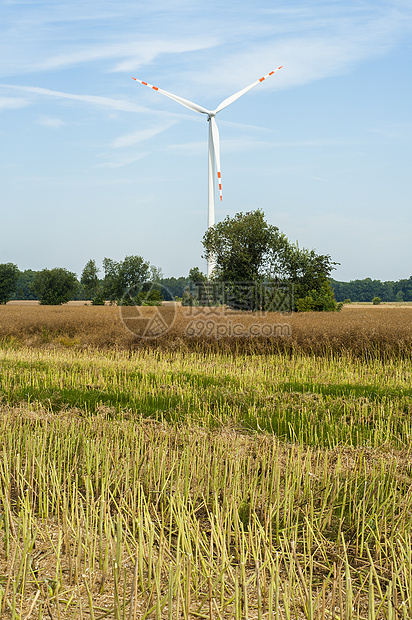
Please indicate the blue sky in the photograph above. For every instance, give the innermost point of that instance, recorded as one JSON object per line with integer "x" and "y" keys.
{"x": 94, "y": 164}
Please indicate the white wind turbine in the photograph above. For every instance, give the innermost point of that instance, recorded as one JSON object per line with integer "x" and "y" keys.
{"x": 214, "y": 148}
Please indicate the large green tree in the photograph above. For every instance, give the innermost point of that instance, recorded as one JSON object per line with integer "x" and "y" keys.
{"x": 9, "y": 274}
{"x": 309, "y": 272}
{"x": 244, "y": 247}
{"x": 247, "y": 249}
{"x": 54, "y": 287}
{"x": 120, "y": 277}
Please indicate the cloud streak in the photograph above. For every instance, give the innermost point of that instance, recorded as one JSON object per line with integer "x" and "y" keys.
{"x": 311, "y": 45}
{"x": 103, "y": 102}
{"x": 48, "y": 121}
{"x": 141, "y": 135}
{"x": 125, "y": 57}
{"x": 13, "y": 103}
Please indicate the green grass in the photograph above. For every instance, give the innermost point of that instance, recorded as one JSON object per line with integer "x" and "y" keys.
{"x": 186, "y": 516}
{"x": 164, "y": 485}
{"x": 305, "y": 399}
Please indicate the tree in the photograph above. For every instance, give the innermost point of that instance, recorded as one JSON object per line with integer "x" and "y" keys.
{"x": 196, "y": 276}
{"x": 54, "y": 287}
{"x": 318, "y": 300}
{"x": 309, "y": 273}
{"x": 155, "y": 274}
{"x": 23, "y": 285}
{"x": 120, "y": 277}
{"x": 90, "y": 279}
{"x": 9, "y": 274}
{"x": 197, "y": 290}
{"x": 244, "y": 247}
{"x": 174, "y": 287}
{"x": 134, "y": 270}
{"x": 247, "y": 249}
{"x": 111, "y": 287}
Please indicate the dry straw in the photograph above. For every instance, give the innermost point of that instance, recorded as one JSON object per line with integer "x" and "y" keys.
{"x": 364, "y": 332}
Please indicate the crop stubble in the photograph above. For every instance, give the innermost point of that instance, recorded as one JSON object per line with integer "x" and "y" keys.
{"x": 140, "y": 480}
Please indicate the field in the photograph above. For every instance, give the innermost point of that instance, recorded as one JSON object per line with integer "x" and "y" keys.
{"x": 358, "y": 331}
{"x": 202, "y": 474}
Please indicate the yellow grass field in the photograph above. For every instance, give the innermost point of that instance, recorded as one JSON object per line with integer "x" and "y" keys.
{"x": 364, "y": 331}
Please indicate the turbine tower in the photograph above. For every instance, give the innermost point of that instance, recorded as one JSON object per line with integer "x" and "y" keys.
{"x": 214, "y": 147}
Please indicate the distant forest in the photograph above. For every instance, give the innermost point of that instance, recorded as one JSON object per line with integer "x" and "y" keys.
{"x": 367, "y": 289}
{"x": 355, "y": 290}
{"x": 175, "y": 286}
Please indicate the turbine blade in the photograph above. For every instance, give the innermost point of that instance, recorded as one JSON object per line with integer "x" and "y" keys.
{"x": 188, "y": 104}
{"x": 233, "y": 98}
{"x": 216, "y": 148}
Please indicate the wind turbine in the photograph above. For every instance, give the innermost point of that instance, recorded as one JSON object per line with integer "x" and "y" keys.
{"x": 214, "y": 147}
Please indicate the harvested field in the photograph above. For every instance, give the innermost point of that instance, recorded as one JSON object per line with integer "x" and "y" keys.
{"x": 357, "y": 331}
{"x": 127, "y": 518}
{"x": 198, "y": 475}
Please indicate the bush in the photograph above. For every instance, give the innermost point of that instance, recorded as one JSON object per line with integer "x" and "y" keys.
{"x": 54, "y": 287}
{"x": 98, "y": 299}
{"x": 319, "y": 300}
{"x": 376, "y": 301}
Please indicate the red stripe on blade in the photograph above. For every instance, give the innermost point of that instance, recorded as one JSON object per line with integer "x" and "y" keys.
{"x": 261, "y": 79}
{"x": 154, "y": 88}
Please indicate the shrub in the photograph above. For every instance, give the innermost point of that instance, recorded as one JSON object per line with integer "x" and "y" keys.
{"x": 319, "y": 300}
{"x": 54, "y": 287}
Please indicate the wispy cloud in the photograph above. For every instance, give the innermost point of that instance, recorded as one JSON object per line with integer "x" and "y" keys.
{"x": 218, "y": 47}
{"x": 247, "y": 145}
{"x": 125, "y": 57}
{"x": 141, "y": 135}
{"x": 394, "y": 130}
{"x": 316, "y": 44}
{"x": 190, "y": 148}
{"x": 103, "y": 102}
{"x": 11, "y": 103}
{"x": 121, "y": 161}
{"x": 48, "y": 121}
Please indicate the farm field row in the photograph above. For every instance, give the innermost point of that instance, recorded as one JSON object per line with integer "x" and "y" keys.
{"x": 154, "y": 483}
{"x": 359, "y": 331}
{"x": 312, "y": 400}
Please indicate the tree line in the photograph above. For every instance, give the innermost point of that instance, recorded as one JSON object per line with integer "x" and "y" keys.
{"x": 367, "y": 289}
{"x": 58, "y": 285}
{"x": 255, "y": 264}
